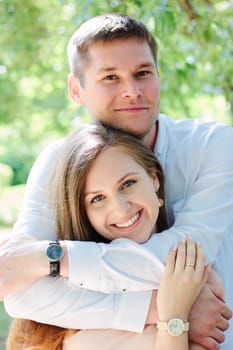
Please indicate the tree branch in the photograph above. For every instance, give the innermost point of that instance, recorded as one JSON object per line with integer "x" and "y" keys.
{"x": 192, "y": 15}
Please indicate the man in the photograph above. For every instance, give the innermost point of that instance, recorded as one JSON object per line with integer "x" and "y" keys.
{"x": 114, "y": 74}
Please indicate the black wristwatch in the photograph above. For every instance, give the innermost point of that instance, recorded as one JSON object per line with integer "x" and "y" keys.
{"x": 54, "y": 253}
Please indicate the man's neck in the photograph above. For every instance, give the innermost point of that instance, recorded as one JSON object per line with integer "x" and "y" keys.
{"x": 150, "y": 138}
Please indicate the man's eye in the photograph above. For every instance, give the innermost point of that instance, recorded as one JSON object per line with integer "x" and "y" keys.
{"x": 127, "y": 184}
{"x": 98, "y": 198}
{"x": 143, "y": 73}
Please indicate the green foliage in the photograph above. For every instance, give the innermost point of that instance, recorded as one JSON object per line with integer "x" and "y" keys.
{"x": 6, "y": 174}
{"x": 195, "y": 64}
{"x": 5, "y": 322}
{"x": 11, "y": 199}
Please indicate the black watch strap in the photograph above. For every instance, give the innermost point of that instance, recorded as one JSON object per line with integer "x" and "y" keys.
{"x": 54, "y": 268}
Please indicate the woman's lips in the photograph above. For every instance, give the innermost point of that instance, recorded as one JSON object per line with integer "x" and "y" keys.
{"x": 129, "y": 224}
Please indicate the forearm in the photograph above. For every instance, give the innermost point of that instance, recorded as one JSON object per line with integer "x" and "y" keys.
{"x": 165, "y": 341}
{"x": 122, "y": 265}
{"x": 209, "y": 316}
{"x": 106, "y": 270}
{"x": 58, "y": 303}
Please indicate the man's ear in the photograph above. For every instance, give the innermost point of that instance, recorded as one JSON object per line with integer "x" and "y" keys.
{"x": 74, "y": 89}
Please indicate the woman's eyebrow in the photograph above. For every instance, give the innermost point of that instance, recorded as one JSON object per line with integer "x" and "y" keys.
{"x": 119, "y": 181}
{"x": 126, "y": 175}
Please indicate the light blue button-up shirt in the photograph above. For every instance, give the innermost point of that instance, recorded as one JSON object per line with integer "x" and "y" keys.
{"x": 198, "y": 162}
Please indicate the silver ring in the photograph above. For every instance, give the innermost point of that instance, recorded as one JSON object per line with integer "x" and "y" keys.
{"x": 190, "y": 264}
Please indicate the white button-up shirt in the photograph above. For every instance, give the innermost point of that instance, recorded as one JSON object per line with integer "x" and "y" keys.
{"x": 110, "y": 284}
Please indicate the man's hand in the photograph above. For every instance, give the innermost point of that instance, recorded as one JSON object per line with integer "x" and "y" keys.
{"x": 22, "y": 262}
{"x": 209, "y": 315}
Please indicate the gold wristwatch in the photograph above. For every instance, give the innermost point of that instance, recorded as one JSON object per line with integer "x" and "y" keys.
{"x": 174, "y": 327}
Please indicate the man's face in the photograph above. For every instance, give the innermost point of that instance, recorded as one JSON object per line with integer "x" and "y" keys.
{"x": 121, "y": 86}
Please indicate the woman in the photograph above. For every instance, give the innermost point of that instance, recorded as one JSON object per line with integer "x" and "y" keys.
{"x": 108, "y": 185}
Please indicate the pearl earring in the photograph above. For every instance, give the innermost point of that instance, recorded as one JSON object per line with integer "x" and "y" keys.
{"x": 161, "y": 202}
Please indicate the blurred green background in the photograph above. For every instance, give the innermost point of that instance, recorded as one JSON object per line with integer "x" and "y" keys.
{"x": 195, "y": 65}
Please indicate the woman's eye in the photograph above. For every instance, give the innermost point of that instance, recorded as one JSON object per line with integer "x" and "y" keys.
{"x": 127, "y": 184}
{"x": 110, "y": 77}
{"x": 98, "y": 198}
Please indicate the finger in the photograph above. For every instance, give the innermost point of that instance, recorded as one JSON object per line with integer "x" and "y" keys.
{"x": 218, "y": 335}
{"x": 226, "y": 312}
{"x": 190, "y": 252}
{"x": 208, "y": 343}
{"x": 171, "y": 260}
{"x": 194, "y": 346}
{"x": 222, "y": 324}
{"x": 180, "y": 257}
{"x": 216, "y": 284}
{"x": 200, "y": 262}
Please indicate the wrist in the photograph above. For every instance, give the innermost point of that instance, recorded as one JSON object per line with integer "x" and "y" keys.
{"x": 169, "y": 314}
{"x": 64, "y": 267}
{"x": 174, "y": 326}
{"x": 152, "y": 315}
{"x": 56, "y": 254}
{"x": 44, "y": 265}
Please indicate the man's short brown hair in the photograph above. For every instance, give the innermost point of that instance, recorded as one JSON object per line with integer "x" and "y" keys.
{"x": 105, "y": 28}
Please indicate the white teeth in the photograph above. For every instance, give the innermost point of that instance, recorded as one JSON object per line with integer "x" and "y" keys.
{"x": 129, "y": 223}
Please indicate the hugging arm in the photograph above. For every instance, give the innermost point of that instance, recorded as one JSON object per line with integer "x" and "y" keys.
{"x": 58, "y": 301}
{"x": 202, "y": 209}
{"x": 204, "y": 217}
{"x": 54, "y": 301}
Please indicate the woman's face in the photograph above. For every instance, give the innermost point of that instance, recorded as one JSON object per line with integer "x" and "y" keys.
{"x": 120, "y": 197}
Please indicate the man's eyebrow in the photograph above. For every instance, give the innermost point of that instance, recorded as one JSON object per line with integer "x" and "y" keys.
{"x": 146, "y": 65}
{"x": 140, "y": 66}
{"x": 106, "y": 69}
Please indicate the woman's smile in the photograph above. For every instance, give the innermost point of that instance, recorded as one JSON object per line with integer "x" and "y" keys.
{"x": 129, "y": 224}
{"x": 123, "y": 202}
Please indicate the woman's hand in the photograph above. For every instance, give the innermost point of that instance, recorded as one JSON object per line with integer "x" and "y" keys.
{"x": 184, "y": 276}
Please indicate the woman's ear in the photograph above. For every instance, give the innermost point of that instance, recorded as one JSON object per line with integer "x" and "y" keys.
{"x": 155, "y": 181}
{"x": 74, "y": 89}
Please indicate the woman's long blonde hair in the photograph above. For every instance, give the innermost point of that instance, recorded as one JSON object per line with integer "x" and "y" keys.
{"x": 74, "y": 162}
{"x": 66, "y": 195}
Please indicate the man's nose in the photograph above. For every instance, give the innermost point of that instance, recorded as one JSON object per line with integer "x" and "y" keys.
{"x": 132, "y": 89}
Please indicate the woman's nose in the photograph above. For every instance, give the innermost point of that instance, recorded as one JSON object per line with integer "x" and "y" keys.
{"x": 121, "y": 204}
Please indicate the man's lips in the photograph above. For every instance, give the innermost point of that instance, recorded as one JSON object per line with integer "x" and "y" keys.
{"x": 131, "y": 109}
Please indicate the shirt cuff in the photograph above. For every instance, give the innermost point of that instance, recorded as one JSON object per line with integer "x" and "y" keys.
{"x": 79, "y": 264}
{"x": 133, "y": 310}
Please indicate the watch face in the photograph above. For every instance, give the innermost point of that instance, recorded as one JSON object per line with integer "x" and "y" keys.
{"x": 175, "y": 327}
{"x": 54, "y": 252}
